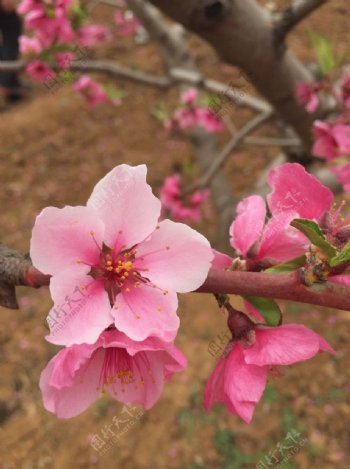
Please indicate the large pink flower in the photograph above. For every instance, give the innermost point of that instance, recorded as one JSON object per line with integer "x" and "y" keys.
{"x": 240, "y": 377}
{"x": 112, "y": 262}
{"x": 131, "y": 372}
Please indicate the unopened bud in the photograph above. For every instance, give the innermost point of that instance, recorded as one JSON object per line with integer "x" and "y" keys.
{"x": 343, "y": 234}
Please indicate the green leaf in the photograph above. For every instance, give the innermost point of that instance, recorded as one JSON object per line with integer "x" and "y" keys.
{"x": 342, "y": 257}
{"x": 159, "y": 112}
{"x": 268, "y": 308}
{"x": 289, "y": 266}
{"x": 312, "y": 231}
{"x": 324, "y": 50}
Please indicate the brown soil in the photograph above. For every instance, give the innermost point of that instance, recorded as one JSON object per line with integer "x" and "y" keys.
{"x": 52, "y": 153}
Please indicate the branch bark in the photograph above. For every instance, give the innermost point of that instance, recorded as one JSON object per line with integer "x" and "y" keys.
{"x": 16, "y": 269}
{"x": 293, "y": 15}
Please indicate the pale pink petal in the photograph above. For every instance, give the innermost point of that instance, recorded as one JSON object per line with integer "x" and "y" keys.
{"x": 247, "y": 227}
{"x": 125, "y": 202}
{"x": 78, "y": 395}
{"x": 293, "y": 189}
{"x": 146, "y": 311}
{"x": 62, "y": 237}
{"x": 281, "y": 242}
{"x": 81, "y": 310}
{"x": 284, "y": 345}
{"x": 221, "y": 261}
{"x": 177, "y": 257}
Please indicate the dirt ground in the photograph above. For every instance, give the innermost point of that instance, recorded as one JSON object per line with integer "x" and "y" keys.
{"x": 52, "y": 152}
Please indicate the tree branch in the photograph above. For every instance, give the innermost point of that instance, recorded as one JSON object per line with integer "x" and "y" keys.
{"x": 228, "y": 149}
{"x": 278, "y": 286}
{"x": 291, "y": 16}
{"x": 16, "y": 269}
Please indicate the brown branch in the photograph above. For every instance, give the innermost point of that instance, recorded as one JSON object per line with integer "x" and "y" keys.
{"x": 16, "y": 269}
{"x": 293, "y": 15}
{"x": 278, "y": 286}
{"x": 228, "y": 149}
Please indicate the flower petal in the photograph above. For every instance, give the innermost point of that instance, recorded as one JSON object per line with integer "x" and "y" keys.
{"x": 69, "y": 401}
{"x": 284, "y": 345}
{"x": 243, "y": 382}
{"x": 293, "y": 189}
{"x": 221, "y": 261}
{"x": 63, "y": 236}
{"x": 126, "y": 204}
{"x": 145, "y": 312}
{"x": 281, "y": 242}
{"x": 247, "y": 227}
{"x": 177, "y": 257}
{"x": 81, "y": 310}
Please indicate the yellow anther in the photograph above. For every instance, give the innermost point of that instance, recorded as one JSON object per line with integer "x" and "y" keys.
{"x": 137, "y": 317}
{"x": 110, "y": 268}
{"x": 134, "y": 273}
{"x": 126, "y": 274}
{"x": 123, "y": 277}
{"x": 127, "y": 290}
{"x": 119, "y": 262}
{"x": 109, "y": 263}
{"x": 167, "y": 248}
{"x": 78, "y": 261}
{"x": 159, "y": 308}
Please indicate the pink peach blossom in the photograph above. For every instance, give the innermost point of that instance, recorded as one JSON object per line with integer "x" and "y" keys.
{"x": 29, "y": 45}
{"x": 39, "y": 71}
{"x": 126, "y": 22}
{"x": 307, "y": 95}
{"x": 131, "y": 372}
{"x": 331, "y": 140}
{"x": 240, "y": 377}
{"x": 91, "y": 90}
{"x": 91, "y": 35}
{"x": 171, "y": 198}
{"x": 112, "y": 262}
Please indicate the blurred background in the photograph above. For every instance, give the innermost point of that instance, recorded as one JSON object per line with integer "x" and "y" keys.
{"x": 52, "y": 152}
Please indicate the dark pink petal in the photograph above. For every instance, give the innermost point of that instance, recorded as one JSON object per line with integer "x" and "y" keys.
{"x": 146, "y": 311}
{"x": 243, "y": 382}
{"x": 126, "y": 204}
{"x": 343, "y": 279}
{"x": 247, "y": 227}
{"x": 63, "y": 237}
{"x": 293, "y": 189}
{"x": 284, "y": 345}
{"x": 81, "y": 308}
{"x": 214, "y": 389}
{"x": 177, "y": 257}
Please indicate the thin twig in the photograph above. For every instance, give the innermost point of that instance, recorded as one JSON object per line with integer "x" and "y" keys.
{"x": 227, "y": 150}
{"x": 278, "y": 142}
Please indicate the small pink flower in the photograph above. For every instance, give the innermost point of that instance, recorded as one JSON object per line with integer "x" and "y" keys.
{"x": 307, "y": 95}
{"x": 39, "y": 71}
{"x": 91, "y": 90}
{"x": 112, "y": 262}
{"x": 131, "y": 372}
{"x": 189, "y": 96}
{"x": 171, "y": 198}
{"x": 331, "y": 140}
{"x": 29, "y": 45}
{"x": 64, "y": 59}
{"x": 126, "y": 22}
{"x": 240, "y": 377}
{"x": 91, "y": 35}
